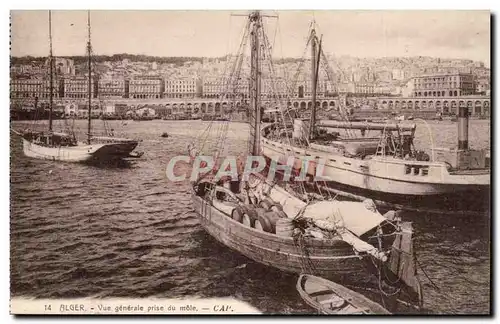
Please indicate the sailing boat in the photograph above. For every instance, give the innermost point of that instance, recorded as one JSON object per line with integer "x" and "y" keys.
{"x": 58, "y": 146}
{"x": 386, "y": 167}
{"x": 274, "y": 227}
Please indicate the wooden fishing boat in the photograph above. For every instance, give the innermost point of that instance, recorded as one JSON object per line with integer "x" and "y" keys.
{"x": 331, "y": 298}
{"x": 269, "y": 224}
{"x": 331, "y": 257}
{"x": 58, "y": 146}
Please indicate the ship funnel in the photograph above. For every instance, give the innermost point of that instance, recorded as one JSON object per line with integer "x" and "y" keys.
{"x": 463, "y": 128}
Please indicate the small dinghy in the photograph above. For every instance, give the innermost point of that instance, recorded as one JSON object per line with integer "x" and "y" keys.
{"x": 331, "y": 298}
{"x": 164, "y": 135}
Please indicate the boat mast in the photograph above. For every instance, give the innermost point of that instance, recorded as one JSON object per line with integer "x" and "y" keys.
{"x": 51, "y": 71}
{"x": 255, "y": 79}
{"x": 313, "y": 82}
{"x": 89, "y": 51}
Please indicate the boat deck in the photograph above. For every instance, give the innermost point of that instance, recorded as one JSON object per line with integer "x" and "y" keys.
{"x": 470, "y": 172}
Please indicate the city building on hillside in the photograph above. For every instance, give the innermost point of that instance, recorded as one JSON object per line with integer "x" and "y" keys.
{"x": 18, "y": 69}
{"x": 356, "y": 76}
{"x": 274, "y": 88}
{"x": 212, "y": 86}
{"x": 111, "y": 87}
{"x": 217, "y": 87}
{"x": 77, "y": 87}
{"x": 398, "y": 74}
{"x": 383, "y": 89}
{"x": 444, "y": 85}
{"x": 364, "y": 88}
{"x": 483, "y": 86}
{"x": 64, "y": 66}
{"x": 29, "y": 70}
{"x": 303, "y": 88}
{"x": 346, "y": 87}
{"x": 384, "y": 76}
{"x": 182, "y": 87}
{"x": 407, "y": 90}
{"x": 146, "y": 87}
{"x": 33, "y": 88}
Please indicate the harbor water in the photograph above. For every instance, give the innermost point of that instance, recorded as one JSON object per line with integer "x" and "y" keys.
{"x": 126, "y": 231}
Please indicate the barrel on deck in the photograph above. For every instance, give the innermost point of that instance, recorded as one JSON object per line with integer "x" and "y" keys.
{"x": 267, "y": 220}
{"x": 284, "y": 227}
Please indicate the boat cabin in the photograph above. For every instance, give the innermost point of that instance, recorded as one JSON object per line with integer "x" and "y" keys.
{"x": 50, "y": 139}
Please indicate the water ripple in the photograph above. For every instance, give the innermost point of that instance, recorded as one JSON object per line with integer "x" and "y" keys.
{"x": 83, "y": 231}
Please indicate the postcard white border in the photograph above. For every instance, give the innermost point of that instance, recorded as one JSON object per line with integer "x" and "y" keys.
{"x": 186, "y": 4}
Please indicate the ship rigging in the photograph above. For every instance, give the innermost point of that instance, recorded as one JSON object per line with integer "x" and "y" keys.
{"x": 64, "y": 146}
{"x": 282, "y": 225}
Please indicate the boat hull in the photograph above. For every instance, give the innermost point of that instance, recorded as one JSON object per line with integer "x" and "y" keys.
{"x": 389, "y": 179}
{"x": 473, "y": 200}
{"x": 79, "y": 153}
{"x": 330, "y": 259}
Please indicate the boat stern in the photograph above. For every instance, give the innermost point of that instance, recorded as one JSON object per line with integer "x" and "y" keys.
{"x": 111, "y": 151}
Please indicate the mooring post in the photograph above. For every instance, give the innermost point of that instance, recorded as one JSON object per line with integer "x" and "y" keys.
{"x": 463, "y": 128}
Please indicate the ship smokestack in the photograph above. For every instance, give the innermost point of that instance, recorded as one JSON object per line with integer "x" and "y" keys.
{"x": 463, "y": 128}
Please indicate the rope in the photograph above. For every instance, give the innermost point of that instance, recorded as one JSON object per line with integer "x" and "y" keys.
{"x": 307, "y": 265}
{"x": 426, "y": 275}
{"x": 235, "y": 71}
{"x": 381, "y": 289}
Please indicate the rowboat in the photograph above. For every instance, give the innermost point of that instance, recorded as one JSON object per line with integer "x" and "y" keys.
{"x": 331, "y": 298}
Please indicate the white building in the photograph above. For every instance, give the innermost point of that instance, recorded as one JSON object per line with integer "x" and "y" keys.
{"x": 181, "y": 87}
{"x": 398, "y": 74}
{"x": 408, "y": 89}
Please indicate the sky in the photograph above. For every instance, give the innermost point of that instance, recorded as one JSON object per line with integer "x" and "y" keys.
{"x": 445, "y": 34}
